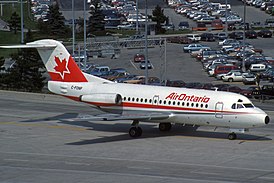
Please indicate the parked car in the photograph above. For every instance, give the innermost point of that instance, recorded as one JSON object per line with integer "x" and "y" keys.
{"x": 207, "y": 37}
{"x": 233, "y": 76}
{"x": 249, "y": 79}
{"x": 175, "y": 83}
{"x": 100, "y": 70}
{"x": 126, "y": 25}
{"x": 143, "y": 65}
{"x": 221, "y": 35}
{"x": 194, "y": 37}
{"x": 135, "y": 80}
{"x": 257, "y": 67}
{"x": 265, "y": 92}
{"x": 194, "y": 47}
{"x": 251, "y": 34}
{"x": 236, "y": 89}
{"x": 221, "y": 69}
{"x": 265, "y": 33}
{"x": 179, "y": 39}
{"x": 183, "y": 25}
{"x": 236, "y": 35}
{"x": 138, "y": 57}
{"x": 115, "y": 74}
{"x": 168, "y": 27}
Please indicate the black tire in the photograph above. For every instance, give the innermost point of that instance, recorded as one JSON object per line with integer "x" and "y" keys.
{"x": 232, "y": 136}
{"x": 135, "y": 132}
{"x": 164, "y": 127}
{"x": 230, "y": 80}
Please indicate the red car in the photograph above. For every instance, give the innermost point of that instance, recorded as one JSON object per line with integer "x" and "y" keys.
{"x": 138, "y": 57}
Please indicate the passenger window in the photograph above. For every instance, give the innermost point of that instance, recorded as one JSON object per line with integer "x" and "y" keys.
{"x": 233, "y": 106}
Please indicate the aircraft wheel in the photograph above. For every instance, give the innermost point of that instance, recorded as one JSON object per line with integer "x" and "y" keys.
{"x": 135, "y": 131}
{"x": 164, "y": 127}
{"x": 232, "y": 136}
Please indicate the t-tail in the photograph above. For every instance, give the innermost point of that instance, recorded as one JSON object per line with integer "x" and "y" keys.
{"x": 58, "y": 62}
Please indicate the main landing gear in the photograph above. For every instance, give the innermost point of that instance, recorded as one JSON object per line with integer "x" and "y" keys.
{"x": 164, "y": 127}
{"x": 232, "y": 136}
{"x": 135, "y": 130}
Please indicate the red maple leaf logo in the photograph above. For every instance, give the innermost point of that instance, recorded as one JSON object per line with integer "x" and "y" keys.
{"x": 62, "y": 67}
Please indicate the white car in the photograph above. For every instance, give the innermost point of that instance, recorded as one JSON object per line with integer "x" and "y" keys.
{"x": 233, "y": 76}
{"x": 126, "y": 25}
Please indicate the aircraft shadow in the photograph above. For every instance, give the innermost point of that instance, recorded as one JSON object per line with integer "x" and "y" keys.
{"x": 149, "y": 131}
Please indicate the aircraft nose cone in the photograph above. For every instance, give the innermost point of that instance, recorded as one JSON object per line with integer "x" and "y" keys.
{"x": 267, "y": 120}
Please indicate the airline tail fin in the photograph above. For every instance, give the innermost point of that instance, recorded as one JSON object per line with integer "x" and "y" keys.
{"x": 58, "y": 62}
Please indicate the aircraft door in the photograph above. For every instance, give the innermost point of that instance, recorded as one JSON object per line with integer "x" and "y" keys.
{"x": 155, "y": 100}
{"x": 219, "y": 109}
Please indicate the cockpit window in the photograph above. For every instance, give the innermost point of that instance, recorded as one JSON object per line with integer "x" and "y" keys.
{"x": 237, "y": 106}
{"x": 249, "y": 105}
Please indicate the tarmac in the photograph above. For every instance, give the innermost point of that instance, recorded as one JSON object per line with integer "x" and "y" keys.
{"x": 36, "y": 146}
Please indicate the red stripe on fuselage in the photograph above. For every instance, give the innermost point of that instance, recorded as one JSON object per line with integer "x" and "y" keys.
{"x": 151, "y": 106}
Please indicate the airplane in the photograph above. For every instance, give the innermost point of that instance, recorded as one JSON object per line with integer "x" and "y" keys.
{"x": 145, "y": 103}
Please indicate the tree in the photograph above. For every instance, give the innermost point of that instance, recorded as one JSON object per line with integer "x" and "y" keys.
{"x": 96, "y": 21}
{"x": 14, "y": 22}
{"x": 55, "y": 24}
{"x": 26, "y": 73}
{"x": 159, "y": 18}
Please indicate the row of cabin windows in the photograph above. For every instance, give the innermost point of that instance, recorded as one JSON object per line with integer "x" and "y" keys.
{"x": 166, "y": 102}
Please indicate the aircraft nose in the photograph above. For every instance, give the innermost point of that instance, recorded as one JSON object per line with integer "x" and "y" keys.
{"x": 267, "y": 120}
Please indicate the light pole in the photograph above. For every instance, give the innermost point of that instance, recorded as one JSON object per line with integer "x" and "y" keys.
{"x": 244, "y": 40}
{"x": 137, "y": 21}
{"x": 85, "y": 38}
{"x": 226, "y": 25}
{"x": 22, "y": 23}
{"x": 146, "y": 48}
{"x": 73, "y": 26}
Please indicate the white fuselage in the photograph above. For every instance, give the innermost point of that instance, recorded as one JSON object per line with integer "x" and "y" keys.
{"x": 185, "y": 106}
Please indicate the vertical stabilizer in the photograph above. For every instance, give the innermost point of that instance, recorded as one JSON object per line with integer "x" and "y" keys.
{"x": 59, "y": 63}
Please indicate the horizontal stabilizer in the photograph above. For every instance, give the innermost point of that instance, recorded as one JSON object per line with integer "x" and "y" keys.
{"x": 30, "y": 45}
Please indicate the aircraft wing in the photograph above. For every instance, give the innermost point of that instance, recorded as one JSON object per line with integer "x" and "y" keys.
{"x": 129, "y": 116}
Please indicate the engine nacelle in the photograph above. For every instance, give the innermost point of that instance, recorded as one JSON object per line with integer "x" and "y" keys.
{"x": 102, "y": 99}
